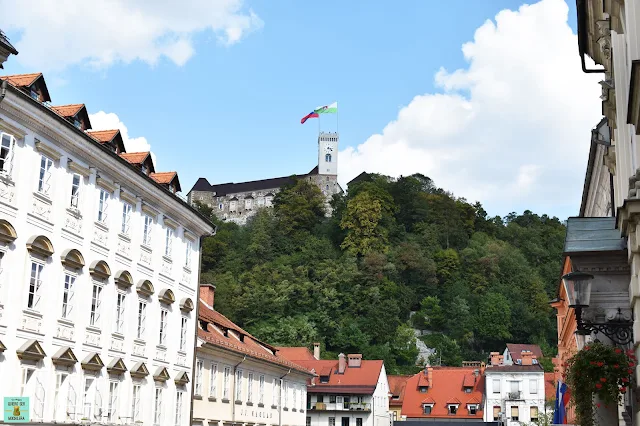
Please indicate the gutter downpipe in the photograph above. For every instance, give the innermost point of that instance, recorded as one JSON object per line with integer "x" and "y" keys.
{"x": 3, "y": 90}
{"x": 582, "y": 36}
{"x": 280, "y": 401}
{"x": 197, "y": 314}
{"x": 235, "y": 386}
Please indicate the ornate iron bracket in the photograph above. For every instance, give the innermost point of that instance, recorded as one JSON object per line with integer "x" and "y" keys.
{"x": 619, "y": 331}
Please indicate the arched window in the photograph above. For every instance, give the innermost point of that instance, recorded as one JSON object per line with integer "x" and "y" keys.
{"x": 327, "y": 158}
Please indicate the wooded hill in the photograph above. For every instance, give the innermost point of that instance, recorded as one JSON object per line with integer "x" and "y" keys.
{"x": 291, "y": 276}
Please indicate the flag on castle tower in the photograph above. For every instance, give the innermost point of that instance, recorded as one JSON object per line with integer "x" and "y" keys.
{"x": 325, "y": 109}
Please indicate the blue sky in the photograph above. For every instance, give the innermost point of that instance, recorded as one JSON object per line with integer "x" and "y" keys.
{"x": 232, "y": 112}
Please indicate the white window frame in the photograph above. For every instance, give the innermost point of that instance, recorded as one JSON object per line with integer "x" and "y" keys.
{"x": 213, "y": 380}
{"x": 126, "y": 218}
{"x": 187, "y": 256}
{"x": 44, "y": 176}
{"x": 261, "y": 389}
{"x": 239, "y": 384}
{"x": 495, "y": 385}
{"x": 103, "y": 205}
{"x": 68, "y": 292}
{"x": 121, "y": 303}
{"x": 274, "y": 392}
{"x": 184, "y": 322}
{"x": 34, "y": 294}
{"x": 61, "y": 378}
{"x": 286, "y": 394}
{"x": 136, "y": 412}
{"x": 179, "y": 397}
{"x": 147, "y": 230}
{"x": 112, "y": 410}
{"x": 250, "y": 387}
{"x": 157, "y": 409}
{"x": 8, "y": 146}
{"x": 533, "y": 386}
{"x": 96, "y": 303}
{"x": 168, "y": 242}
{"x": 74, "y": 202}
{"x": 225, "y": 389}
{"x": 142, "y": 319}
{"x": 164, "y": 318}
{"x": 197, "y": 390}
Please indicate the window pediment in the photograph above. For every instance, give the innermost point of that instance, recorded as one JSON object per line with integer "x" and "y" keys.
{"x": 92, "y": 362}
{"x": 124, "y": 279}
{"x": 100, "y": 269}
{"x": 186, "y": 305}
{"x": 2, "y": 347}
{"x": 47, "y": 150}
{"x": 182, "y": 378}
{"x": 145, "y": 288}
{"x": 116, "y": 367}
{"x": 7, "y": 232}
{"x": 73, "y": 259}
{"x": 161, "y": 375}
{"x": 31, "y": 350}
{"x": 65, "y": 357}
{"x": 166, "y": 296}
{"x": 40, "y": 245}
{"x": 139, "y": 370}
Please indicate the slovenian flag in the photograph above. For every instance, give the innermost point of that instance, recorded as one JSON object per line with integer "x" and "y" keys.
{"x": 325, "y": 109}
{"x": 562, "y": 400}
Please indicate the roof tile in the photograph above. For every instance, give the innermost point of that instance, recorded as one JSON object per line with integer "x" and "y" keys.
{"x": 135, "y": 157}
{"x": 103, "y": 136}
{"x": 296, "y": 353}
{"x": 163, "y": 177}
{"x": 21, "y": 80}
{"x": 516, "y": 349}
{"x": 68, "y": 110}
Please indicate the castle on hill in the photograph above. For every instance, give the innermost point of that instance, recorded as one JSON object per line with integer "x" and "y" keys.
{"x": 236, "y": 202}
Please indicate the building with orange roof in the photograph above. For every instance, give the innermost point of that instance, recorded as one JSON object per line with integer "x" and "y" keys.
{"x": 167, "y": 179}
{"x": 444, "y": 393}
{"x": 111, "y": 138}
{"x": 76, "y": 114}
{"x": 32, "y": 84}
{"x": 397, "y": 386}
{"x": 349, "y": 391}
{"x": 240, "y": 379}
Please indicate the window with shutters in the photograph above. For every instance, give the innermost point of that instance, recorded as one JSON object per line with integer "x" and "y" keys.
{"x": 146, "y": 232}
{"x": 75, "y": 190}
{"x": 44, "y": 180}
{"x": 119, "y": 317}
{"x": 178, "y": 419}
{"x": 225, "y": 389}
{"x": 35, "y": 286}
{"x": 515, "y": 413}
{"x": 163, "y": 327}
{"x": 126, "y": 218}
{"x": 533, "y": 386}
{"x": 67, "y": 294}
{"x": 183, "y": 333}
{"x": 112, "y": 413}
{"x": 250, "y": 387}
{"x": 261, "y": 390}
{"x": 157, "y": 407}
{"x": 7, "y": 151}
{"x": 238, "y": 385}
{"x": 103, "y": 206}
{"x": 213, "y": 381}
{"x": 142, "y": 319}
{"x": 168, "y": 242}
{"x": 496, "y": 413}
{"x": 96, "y": 304}
{"x": 533, "y": 411}
{"x": 198, "y": 385}
{"x": 136, "y": 408}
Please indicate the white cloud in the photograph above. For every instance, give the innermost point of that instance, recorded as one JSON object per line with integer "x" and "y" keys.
{"x": 108, "y": 121}
{"x": 98, "y": 33}
{"x": 511, "y": 130}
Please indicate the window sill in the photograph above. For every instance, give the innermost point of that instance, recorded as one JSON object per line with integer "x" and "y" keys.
{"x": 117, "y": 335}
{"x": 285, "y": 409}
{"x": 167, "y": 259}
{"x": 65, "y": 321}
{"x": 139, "y": 341}
{"x": 249, "y": 404}
{"x": 43, "y": 197}
{"x": 186, "y": 269}
{"x": 212, "y": 399}
{"x": 274, "y": 407}
{"x": 6, "y": 179}
{"x": 146, "y": 248}
{"x": 32, "y": 313}
{"x": 94, "y": 329}
{"x": 102, "y": 226}
{"x": 163, "y": 347}
{"x": 225, "y": 400}
{"x": 198, "y": 397}
{"x": 294, "y": 410}
{"x": 238, "y": 402}
{"x": 75, "y": 212}
{"x": 124, "y": 237}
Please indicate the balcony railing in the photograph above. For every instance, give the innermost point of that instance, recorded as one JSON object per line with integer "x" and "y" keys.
{"x": 514, "y": 395}
{"x": 347, "y": 406}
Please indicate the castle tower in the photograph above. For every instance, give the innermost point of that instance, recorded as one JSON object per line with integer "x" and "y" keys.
{"x": 328, "y": 154}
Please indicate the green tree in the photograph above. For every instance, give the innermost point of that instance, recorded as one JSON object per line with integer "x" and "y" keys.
{"x": 493, "y": 320}
{"x": 299, "y": 206}
{"x": 362, "y": 223}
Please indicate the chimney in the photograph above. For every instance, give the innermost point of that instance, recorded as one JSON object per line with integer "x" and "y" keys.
{"x": 207, "y": 294}
{"x": 430, "y": 376}
{"x": 496, "y": 358}
{"x": 355, "y": 360}
{"x": 316, "y": 350}
{"x": 342, "y": 364}
{"x": 527, "y": 357}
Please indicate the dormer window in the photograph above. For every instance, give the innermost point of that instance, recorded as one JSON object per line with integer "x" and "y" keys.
{"x": 324, "y": 379}
{"x": 426, "y": 408}
{"x": 423, "y": 389}
{"x": 468, "y": 389}
{"x": 145, "y": 169}
{"x": 453, "y": 409}
{"x": 34, "y": 94}
{"x": 172, "y": 188}
{"x": 77, "y": 123}
{"x": 473, "y": 409}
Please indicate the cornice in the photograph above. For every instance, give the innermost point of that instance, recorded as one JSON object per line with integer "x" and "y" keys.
{"x": 9, "y": 128}
{"x": 150, "y": 210}
{"x": 84, "y": 147}
{"x": 128, "y": 197}
{"x": 75, "y": 167}
{"x": 105, "y": 184}
{"x": 47, "y": 150}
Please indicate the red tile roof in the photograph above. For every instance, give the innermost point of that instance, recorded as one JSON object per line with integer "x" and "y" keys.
{"x": 397, "y": 386}
{"x": 469, "y": 380}
{"x": 516, "y": 349}
{"x": 68, "y": 110}
{"x": 423, "y": 381}
{"x": 22, "y": 80}
{"x": 135, "y": 157}
{"x": 250, "y": 346}
{"x": 103, "y": 136}
{"x": 166, "y": 178}
{"x": 295, "y": 353}
{"x": 447, "y": 388}
{"x": 356, "y": 380}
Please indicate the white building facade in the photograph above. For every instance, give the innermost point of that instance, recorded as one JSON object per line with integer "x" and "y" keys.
{"x": 240, "y": 380}
{"x": 98, "y": 277}
{"x": 514, "y": 394}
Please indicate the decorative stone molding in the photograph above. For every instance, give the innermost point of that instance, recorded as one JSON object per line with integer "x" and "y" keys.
{"x": 124, "y": 279}
{"x": 128, "y": 197}
{"x": 170, "y": 223}
{"x": 139, "y": 370}
{"x": 64, "y": 357}
{"x": 116, "y": 367}
{"x": 181, "y": 379}
{"x": 40, "y": 245}
{"x": 73, "y": 259}
{"x": 16, "y": 132}
{"x": 610, "y": 159}
{"x": 31, "y": 351}
{"x": 161, "y": 375}
{"x": 186, "y": 305}
{"x": 7, "y": 232}
{"x": 41, "y": 206}
{"x": 166, "y": 296}
{"x": 47, "y": 150}
{"x": 145, "y": 288}
{"x": 100, "y": 269}
{"x": 151, "y": 211}
{"x": 106, "y": 185}
{"x": 77, "y": 168}
{"x": 92, "y": 362}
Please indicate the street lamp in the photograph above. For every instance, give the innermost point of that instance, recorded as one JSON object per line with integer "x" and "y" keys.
{"x": 578, "y": 288}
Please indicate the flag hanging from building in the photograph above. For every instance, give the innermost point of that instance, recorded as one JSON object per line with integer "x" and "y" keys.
{"x": 562, "y": 400}
{"x": 325, "y": 109}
